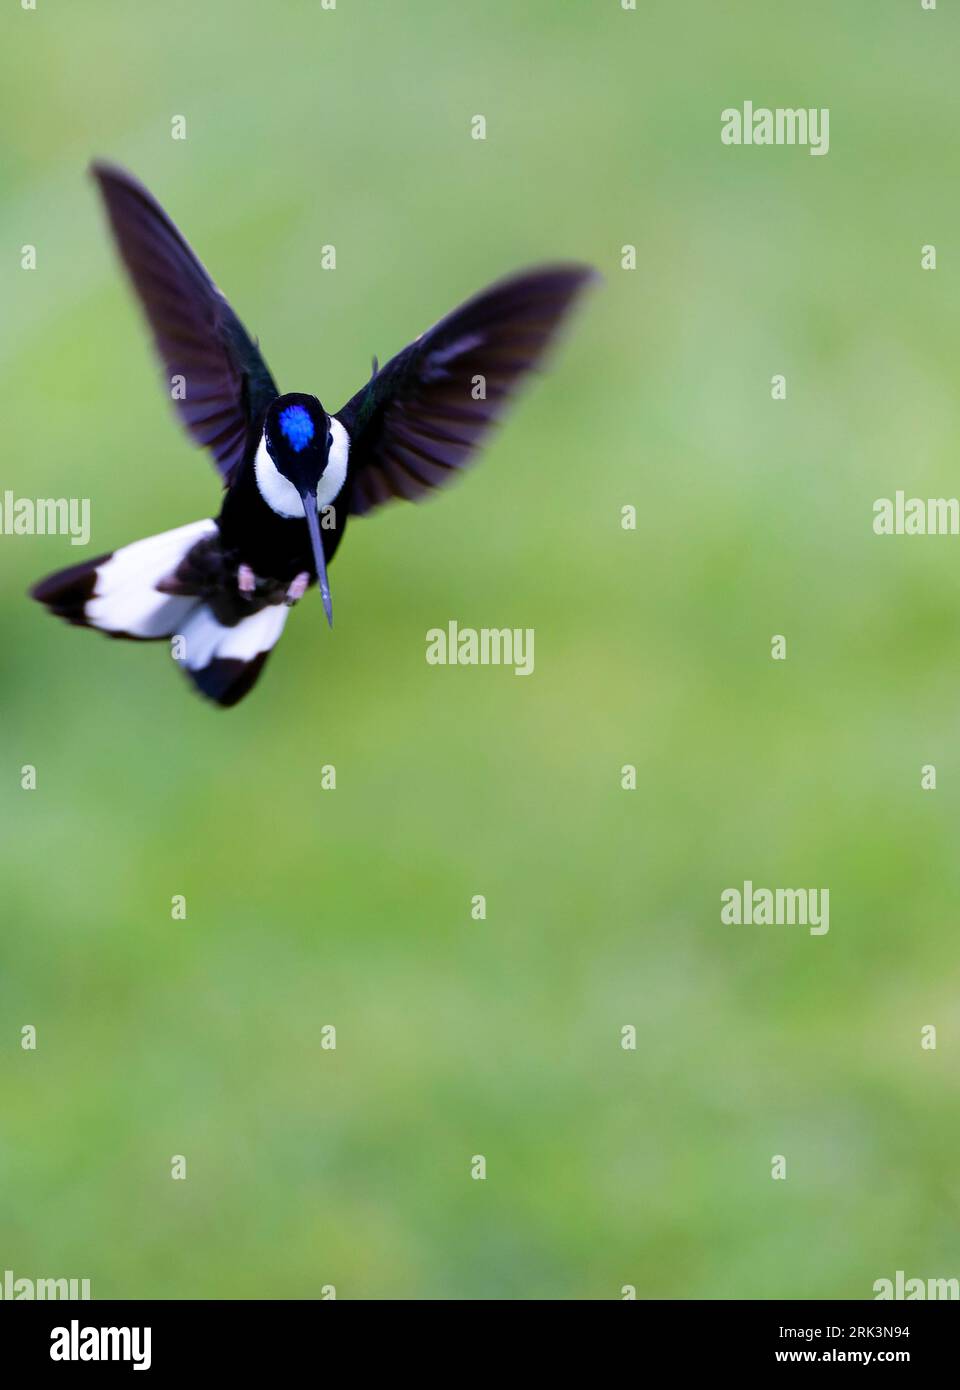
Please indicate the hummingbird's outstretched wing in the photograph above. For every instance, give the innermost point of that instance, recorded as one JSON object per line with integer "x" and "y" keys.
{"x": 224, "y": 386}
{"x": 423, "y": 416}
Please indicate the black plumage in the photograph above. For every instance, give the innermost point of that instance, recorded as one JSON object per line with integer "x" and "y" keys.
{"x": 292, "y": 473}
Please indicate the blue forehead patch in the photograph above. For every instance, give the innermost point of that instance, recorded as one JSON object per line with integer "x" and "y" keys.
{"x": 296, "y": 427}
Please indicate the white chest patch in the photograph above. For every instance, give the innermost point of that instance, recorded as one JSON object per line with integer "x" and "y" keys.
{"x": 280, "y": 494}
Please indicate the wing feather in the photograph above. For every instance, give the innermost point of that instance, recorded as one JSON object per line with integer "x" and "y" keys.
{"x": 421, "y": 418}
{"x": 227, "y": 384}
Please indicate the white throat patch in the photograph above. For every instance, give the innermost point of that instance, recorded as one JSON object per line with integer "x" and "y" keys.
{"x": 280, "y": 494}
{"x": 335, "y": 473}
{"x": 277, "y": 491}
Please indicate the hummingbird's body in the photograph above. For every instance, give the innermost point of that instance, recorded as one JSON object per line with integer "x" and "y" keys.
{"x": 293, "y": 474}
{"x": 272, "y": 545}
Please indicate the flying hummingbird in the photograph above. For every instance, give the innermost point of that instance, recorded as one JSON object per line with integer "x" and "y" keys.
{"x": 293, "y": 474}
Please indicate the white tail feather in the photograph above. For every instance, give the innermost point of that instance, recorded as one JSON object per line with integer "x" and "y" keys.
{"x": 125, "y": 597}
{"x": 205, "y": 640}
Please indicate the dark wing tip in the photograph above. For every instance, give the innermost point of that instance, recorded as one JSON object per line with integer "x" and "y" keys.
{"x": 106, "y": 168}
{"x": 570, "y": 270}
{"x": 572, "y": 274}
{"x": 116, "y": 186}
{"x": 107, "y": 174}
{"x": 557, "y": 277}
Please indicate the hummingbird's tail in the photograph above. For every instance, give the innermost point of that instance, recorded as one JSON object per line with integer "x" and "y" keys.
{"x": 117, "y": 594}
{"x": 167, "y": 587}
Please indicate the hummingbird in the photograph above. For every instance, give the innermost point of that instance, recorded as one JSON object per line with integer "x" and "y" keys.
{"x": 293, "y": 474}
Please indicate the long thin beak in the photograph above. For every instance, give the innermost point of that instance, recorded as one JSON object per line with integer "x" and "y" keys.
{"x": 313, "y": 526}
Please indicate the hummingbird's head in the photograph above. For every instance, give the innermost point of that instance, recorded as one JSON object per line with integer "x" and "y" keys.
{"x": 296, "y": 436}
{"x": 301, "y": 466}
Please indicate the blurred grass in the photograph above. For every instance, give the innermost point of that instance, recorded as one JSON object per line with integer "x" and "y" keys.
{"x": 202, "y": 1038}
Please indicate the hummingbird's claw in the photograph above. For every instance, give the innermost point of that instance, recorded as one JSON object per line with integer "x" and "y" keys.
{"x": 298, "y": 588}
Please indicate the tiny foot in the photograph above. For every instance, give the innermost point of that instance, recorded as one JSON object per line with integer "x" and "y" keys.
{"x": 298, "y": 588}
{"x": 246, "y": 579}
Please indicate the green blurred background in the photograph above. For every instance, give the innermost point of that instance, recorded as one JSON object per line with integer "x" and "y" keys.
{"x": 351, "y": 907}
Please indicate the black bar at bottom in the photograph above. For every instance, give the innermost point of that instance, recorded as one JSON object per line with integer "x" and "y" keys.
{"x": 165, "y": 1338}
